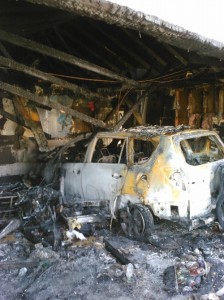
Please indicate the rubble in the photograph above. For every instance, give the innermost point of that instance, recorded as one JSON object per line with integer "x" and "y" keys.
{"x": 12, "y": 226}
{"x": 109, "y": 265}
{"x": 190, "y": 271}
{"x": 59, "y": 252}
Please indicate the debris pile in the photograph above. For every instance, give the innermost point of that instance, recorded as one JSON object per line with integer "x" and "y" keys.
{"x": 191, "y": 269}
{"x": 37, "y": 210}
{"x": 155, "y": 130}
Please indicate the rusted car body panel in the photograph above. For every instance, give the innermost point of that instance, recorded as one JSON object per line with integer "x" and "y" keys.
{"x": 148, "y": 168}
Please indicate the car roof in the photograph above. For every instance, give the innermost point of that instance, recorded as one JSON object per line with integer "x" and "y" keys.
{"x": 154, "y": 131}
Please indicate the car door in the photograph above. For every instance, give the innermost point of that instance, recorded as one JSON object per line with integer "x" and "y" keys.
{"x": 104, "y": 175}
{"x": 201, "y": 154}
{"x": 72, "y": 159}
{"x": 70, "y": 184}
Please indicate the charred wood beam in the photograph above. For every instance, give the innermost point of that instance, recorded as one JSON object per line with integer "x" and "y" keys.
{"x": 11, "y": 117}
{"x": 39, "y": 74}
{"x": 192, "y": 83}
{"x": 46, "y": 101}
{"x": 62, "y": 41}
{"x": 124, "y": 48}
{"x": 176, "y": 55}
{"x": 116, "y": 14}
{"x": 94, "y": 41}
{"x": 140, "y": 99}
{"x": 12, "y": 226}
{"x": 91, "y": 52}
{"x": 111, "y": 115}
{"x": 29, "y": 114}
{"x": 114, "y": 111}
{"x": 18, "y": 264}
{"x": 4, "y": 51}
{"x": 6, "y": 140}
{"x": 138, "y": 41}
{"x": 201, "y": 61}
{"x": 137, "y": 116}
{"x": 121, "y": 61}
{"x": 116, "y": 252}
{"x": 15, "y": 119}
{"x": 62, "y": 56}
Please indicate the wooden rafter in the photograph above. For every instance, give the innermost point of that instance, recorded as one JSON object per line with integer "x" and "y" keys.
{"x": 29, "y": 114}
{"x": 125, "y": 17}
{"x": 16, "y": 120}
{"x": 140, "y": 99}
{"x": 48, "y": 77}
{"x": 89, "y": 49}
{"x": 124, "y": 48}
{"x": 137, "y": 116}
{"x": 62, "y": 56}
{"x": 94, "y": 41}
{"x": 47, "y": 102}
{"x": 138, "y": 41}
{"x": 176, "y": 54}
{"x": 4, "y": 51}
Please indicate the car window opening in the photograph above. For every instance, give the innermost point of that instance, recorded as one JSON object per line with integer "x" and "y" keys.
{"x": 142, "y": 150}
{"x": 110, "y": 151}
{"x": 200, "y": 150}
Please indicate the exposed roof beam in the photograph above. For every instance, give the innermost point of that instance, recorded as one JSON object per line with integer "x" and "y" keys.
{"x": 123, "y": 47}
{"x": 138, "y": 41}
{"x": 4, "y": 51}
{"x": 176, "y": 54}
{"x": 122, "y": 16}
{"x": 140, "y": 99}
{"x": 62, "y": 56}
{"x": 46, "y": 101}
{"x": 16, "y": 120}
{"x": 62, "y": 41}
{"x": 39, "y": 74}
{"x": 29, "y": 114}
{"x": 89, "y": 49}
{"x": 206, "y": 61}
{"x": 137, "y": 116}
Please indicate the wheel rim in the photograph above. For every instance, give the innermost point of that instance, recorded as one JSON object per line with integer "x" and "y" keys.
{"x": 138, "y": 222}
{"x": 133, "y": 223}
{"x": 222, "y": 210}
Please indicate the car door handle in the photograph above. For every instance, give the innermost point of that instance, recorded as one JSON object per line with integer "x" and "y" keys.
{"x": 116, "y": 176}
{"x": 144, "y": 177}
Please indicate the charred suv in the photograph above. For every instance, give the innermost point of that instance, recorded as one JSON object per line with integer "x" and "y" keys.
{"x": 144, "y": 173}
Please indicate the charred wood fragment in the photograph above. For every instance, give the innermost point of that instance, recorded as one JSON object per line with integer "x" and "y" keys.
{"x": 12, "y": 226}
{"x": 137, "y": 116}
{"x": 17, "y": 264}
{"x": 4, "y": 51}
{"x": 62, "y": 56}
{"x": 125, "y": 17}
{"x": 13, "y": 118}
{"x": 29, "y": 114}
{"x": 140, "y": 99}
{"x": 48, "y": 77}
{"x": 46, "y": 101}
{"x": 117, "y": 252}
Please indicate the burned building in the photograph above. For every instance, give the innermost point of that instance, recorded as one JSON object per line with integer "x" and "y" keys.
{"x": 77, "y": 78}
{"x": 69, "y": 68}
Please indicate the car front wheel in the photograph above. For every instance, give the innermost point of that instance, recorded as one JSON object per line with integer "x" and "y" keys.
{"x": 136, "y": 220}
{"x": 220, "y": 211}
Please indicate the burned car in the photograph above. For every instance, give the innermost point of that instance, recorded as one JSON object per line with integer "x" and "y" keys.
{"x": 141, "y": 174}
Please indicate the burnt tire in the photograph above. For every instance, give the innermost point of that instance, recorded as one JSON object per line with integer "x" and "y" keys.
{"x": 136, "y": 221}
{"x": 220, "y": 211}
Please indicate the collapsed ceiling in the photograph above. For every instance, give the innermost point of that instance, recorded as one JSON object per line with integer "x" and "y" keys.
{"x": 98, "y": 53}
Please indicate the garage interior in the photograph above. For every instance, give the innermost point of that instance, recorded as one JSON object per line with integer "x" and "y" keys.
{"x": 81, "y": 66}
{"x": 73, "y": 67}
